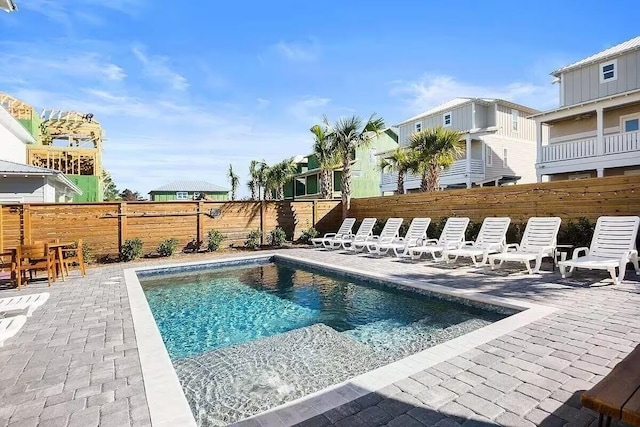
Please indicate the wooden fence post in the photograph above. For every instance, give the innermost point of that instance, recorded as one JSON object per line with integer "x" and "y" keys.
{"x": 263, "y": 237}
{"x": 26, "y": 224}
{"x": 1, "y": 229}
{"x": 200, "y": 222}
{"x": 314, "y": 214}
{"x": 122, "y": 225}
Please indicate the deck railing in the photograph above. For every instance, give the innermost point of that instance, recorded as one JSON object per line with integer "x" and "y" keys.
{"x": 459, "y": 167}
{"x": 613, "y": 144}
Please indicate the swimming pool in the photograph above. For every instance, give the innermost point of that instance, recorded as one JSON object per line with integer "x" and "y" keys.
{"x": 249, "y": 337}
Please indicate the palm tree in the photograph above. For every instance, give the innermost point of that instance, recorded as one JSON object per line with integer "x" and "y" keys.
{"x": 433, "y": 150}
{"x": 278, "y": 175}
{"x": 234, "y": 180}
{"x": 254, "y": 182}
{"x": 346, "y": 135}
{"x": 326, "y": 157}
{"x": 399, "y": 161}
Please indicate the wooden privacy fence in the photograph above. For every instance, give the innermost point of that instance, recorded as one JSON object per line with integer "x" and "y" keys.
{"x": 105, "y": 226}
{"x": 569, "y": 200}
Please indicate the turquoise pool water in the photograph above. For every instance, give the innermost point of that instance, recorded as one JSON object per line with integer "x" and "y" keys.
{"x": 247, "y": 338}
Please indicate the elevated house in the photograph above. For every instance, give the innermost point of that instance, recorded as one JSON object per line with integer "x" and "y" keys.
{"x": 595, "y": 131}
{"x": 23, "y": 183}
{"x": 365, "y": 173}
{"x": 188, "y": 190}
{"x": 499, "y": 143}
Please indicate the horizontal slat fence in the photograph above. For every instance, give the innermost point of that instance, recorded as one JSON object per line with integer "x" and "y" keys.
{"x": 105, "y": 226}
{"x": 569, "y": 200}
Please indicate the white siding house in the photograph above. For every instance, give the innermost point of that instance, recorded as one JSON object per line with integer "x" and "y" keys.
{"x": 499, "y": 143}
{"x": 22, "y": 183}
{"x": 596, "y": 129}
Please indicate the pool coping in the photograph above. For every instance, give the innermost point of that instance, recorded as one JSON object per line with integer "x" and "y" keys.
{"x": 168, "y": 405}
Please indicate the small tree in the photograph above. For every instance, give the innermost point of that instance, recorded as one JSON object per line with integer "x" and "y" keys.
{"x": 399, "y": 161}
{"x": 109, "y": 189}
{"x": 326, "y": 157}
{"x": 234, "y": 181}
{"x": 130, "y": 196}
{"x": 433, "y": 150}
{"x": 346, "y": 136}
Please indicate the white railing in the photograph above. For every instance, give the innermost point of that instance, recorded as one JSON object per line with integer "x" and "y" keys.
{"x": 457, "y": 168}
{"x": 622, "y": 143}
{"x": 569, "y": 150}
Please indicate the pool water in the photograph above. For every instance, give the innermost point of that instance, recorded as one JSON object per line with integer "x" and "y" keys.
{"x": 245, "y": 339}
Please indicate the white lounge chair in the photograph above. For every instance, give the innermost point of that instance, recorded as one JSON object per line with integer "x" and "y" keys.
{"x": 491, "y": 239}
{"x": 451, "y": 237}
{"x": 363, "y": 233}
{"x": 538, "y": 241}
{"x": 415, "y": 235}
{"x": 9, "y": 326}
{"x": 388, "y": 234}
{"x": 613, "y": 245}
{"x": 344, "y": 230}
{"x": 23, "y": 303}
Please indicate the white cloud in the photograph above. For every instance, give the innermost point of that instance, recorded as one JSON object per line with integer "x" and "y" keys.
{"x": 298, "y": 51}
{"x": 433, "y": 90}
{"x": 309, "y": 109}
{"x": 158, "y": 68}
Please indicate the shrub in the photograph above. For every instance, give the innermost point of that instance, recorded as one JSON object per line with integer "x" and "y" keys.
{"x": 87, "y": 252}
{"x": 515, "y": 232}
{"x": 436, "y": 227}
{"x": 131, "y": 249}
{"x": 253, "y": 239}
{"x": 472, "y": 230}
{"x": 276, "y": 237}
{"x": 377, "y": 228}
{"x": 167, "y": 247}
{"x": 404, "y": 227}
{"x": 577, "y": 233}
{"x": 214, "y": 240}
{"x": 307, "y": 235}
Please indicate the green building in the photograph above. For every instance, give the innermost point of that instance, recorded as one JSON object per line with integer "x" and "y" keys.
{"x": 189, "y": 190}
{"x": 365, "y": 172}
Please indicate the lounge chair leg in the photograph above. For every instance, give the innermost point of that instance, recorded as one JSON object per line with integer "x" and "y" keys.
{"x": 563, "y": 271}
{"x": 621, "y": 272}
{"x": 614, "y": 277}
{"x": 634, "y": 261}
{"x": 528, "y": 264}
{"x": 538, "y": 265}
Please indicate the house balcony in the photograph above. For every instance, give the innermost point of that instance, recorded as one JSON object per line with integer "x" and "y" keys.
{"x": 455, "y": 175}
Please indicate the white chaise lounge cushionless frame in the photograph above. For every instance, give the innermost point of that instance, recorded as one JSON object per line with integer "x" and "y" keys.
{"x": 415, "y": 235}
{"x": 344, "y": 230}
{"x": 451, "y": 237}
{"x": 538, "y": 241}
{"x": 9, "y": 326}
{"x": 364, "y": 232}
{"x": 613, "y": 246}
{"x": 491, "y": 239}
{"x": 26, "y": 304}
{"x": 388, "y": 234}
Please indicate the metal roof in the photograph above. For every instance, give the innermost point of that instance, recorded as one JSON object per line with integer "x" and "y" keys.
{"x": 616, "y": 50}
{"x": 202, "y": 186}
{"x": 13, "y": 168}
{"x": 456, "y": 102}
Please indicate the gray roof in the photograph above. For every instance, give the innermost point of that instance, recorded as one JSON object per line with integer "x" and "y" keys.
{"x": 202, "y": 186}
{"x": 616, "y": 50}
{"x": 19, "y": 168}
{"x": 13, "y": 168}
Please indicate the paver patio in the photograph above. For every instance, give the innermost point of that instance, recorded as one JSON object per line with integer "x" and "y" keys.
{"x": 75, "y": 362}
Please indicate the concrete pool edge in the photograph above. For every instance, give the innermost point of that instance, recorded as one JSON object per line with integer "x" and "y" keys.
{"x": 168, "y": 405}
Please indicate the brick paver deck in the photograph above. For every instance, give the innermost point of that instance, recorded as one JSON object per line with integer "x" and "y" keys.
{"x": 75, "y": 362}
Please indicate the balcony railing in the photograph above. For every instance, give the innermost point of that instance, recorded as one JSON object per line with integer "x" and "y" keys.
{"x": 457, "y": 168}
{"x": 613, "y": 144}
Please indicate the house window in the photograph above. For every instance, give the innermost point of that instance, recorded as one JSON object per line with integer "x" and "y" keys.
{"x": 489, "y": 157}
{"x": 631, "y": 124}
{"x": 514, "y": 119}
{"x": 505, "y": 163}
{"x": 182, "y": 195}
{"x": 446, "y": 119}
{"x": 609, "y": 71}
{"x": 418, "y": 126}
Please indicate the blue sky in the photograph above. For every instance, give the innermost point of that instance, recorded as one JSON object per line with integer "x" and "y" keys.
{"x": 185, "y": 88}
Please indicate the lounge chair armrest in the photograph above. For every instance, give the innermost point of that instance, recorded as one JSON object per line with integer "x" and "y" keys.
{"x": 427, "y": 241}
{"x": 467, "y": 243}
{"x": 329, "y": 235}
{"x": 452, "y": 245}
{"x": 627, "y": 255}
{"x": 549, "y": 250}
{"x": 515, "y": 246}
{"x": 578, "y": 251}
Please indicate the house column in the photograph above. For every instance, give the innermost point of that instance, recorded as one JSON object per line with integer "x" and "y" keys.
{"x": 599, "y": 131}
{"x": 538, "y": 149}
{"x": 468, "y": 160}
